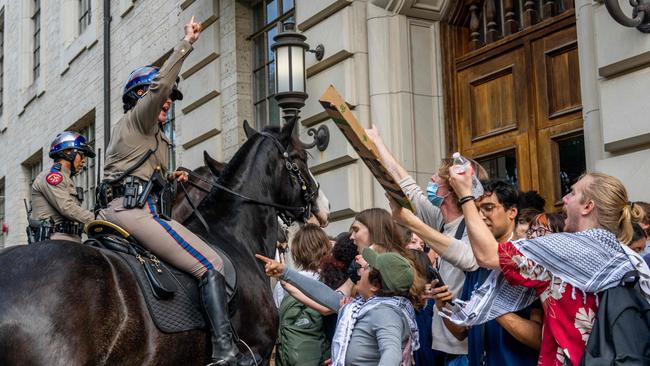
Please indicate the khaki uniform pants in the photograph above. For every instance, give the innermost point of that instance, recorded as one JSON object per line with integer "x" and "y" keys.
{"x": 168, "y": 240}
{"x": 62, "y": 236}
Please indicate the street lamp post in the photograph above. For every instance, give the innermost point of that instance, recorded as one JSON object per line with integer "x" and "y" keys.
{"x": 290, "y": 80}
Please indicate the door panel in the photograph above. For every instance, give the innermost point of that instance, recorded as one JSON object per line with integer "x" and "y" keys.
{"x": 490, "y": 90}
{"x": 557, "y": 78}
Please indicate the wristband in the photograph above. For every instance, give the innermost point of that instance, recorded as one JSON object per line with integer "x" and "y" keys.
{"x": 465, "y": 199}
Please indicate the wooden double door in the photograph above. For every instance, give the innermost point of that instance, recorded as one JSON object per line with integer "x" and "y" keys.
{"x": 513, "y": 97}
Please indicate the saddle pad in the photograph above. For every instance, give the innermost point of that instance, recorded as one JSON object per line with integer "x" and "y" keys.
{"x": 180, "y": 313}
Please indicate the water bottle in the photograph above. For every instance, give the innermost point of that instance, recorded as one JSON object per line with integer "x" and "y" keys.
{"x": 461, "y": 165}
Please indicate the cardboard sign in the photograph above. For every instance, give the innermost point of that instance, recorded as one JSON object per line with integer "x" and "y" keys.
{"x": 340, "y": 113}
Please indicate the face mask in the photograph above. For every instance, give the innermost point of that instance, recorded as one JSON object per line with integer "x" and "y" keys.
{"x": 432, "y": 194}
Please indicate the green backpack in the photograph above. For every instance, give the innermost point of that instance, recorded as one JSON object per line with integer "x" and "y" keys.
{"x": 301, "y": 338}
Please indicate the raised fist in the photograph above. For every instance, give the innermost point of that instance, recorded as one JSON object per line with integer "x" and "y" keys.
{"x": 192, "y": 30}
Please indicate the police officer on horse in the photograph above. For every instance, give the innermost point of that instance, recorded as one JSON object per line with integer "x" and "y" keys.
{"x": 134, "y": 192}
{"x": 56, "y": 202}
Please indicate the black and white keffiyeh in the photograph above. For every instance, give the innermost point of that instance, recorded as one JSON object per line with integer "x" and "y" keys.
{"x": 356, "y": 310}
{"x": 591, "y": 261}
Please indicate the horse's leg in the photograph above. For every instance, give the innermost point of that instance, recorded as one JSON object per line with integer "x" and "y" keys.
{"x": 259, "y": 328}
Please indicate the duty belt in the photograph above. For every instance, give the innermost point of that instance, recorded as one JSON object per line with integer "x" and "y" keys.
{"x": 69, "y": 227}
{"x": 117, "y": 190}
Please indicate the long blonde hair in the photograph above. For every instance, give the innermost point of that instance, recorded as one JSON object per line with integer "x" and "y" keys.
{"x": 614, "y": 212}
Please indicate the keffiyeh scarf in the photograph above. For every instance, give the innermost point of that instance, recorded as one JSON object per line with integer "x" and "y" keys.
{"x": 592, "y": 261}
{"x": 356, "y": 310}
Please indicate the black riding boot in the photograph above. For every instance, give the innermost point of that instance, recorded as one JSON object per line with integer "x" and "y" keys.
{"x": 215, "y": 304}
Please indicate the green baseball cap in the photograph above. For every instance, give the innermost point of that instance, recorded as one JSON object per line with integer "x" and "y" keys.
{"x": 396, "y": 272}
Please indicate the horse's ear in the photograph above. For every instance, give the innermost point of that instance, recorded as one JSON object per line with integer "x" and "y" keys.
{"x": 215, "y": 166}
{"x": 287, "y": 131}
{"x": 248, "y": 130}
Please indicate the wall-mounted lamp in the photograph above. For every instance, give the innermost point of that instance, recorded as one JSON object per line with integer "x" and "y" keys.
{"x": 290, "y": 80}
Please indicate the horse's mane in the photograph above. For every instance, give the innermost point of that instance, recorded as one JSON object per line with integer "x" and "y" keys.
{"x": 296, "y": 149}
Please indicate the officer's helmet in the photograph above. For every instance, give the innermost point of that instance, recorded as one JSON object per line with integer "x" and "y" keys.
{"x": 138, "y": 84}
{"x": 66, "y": 145}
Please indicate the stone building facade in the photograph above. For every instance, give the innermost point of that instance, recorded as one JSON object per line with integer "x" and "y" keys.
{"x": 385, "y": 57}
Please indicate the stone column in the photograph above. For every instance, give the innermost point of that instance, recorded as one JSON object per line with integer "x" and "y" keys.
{"x": 589, "y": 88}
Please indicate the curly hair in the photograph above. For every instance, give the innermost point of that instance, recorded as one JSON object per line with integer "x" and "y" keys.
{"x": 334, "y": 266}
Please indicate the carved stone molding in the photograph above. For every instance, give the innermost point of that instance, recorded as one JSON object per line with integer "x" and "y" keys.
{"x": 424, "y": 9}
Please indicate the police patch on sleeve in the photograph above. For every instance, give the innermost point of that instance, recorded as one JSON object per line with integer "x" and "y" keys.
{"x": 54, "y": 178}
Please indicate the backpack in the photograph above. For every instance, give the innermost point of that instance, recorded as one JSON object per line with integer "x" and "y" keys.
{"x": 621, "y": 331}
{"x": 301, "y": 339}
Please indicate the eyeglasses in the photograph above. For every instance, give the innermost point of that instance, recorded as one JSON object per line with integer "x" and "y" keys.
{"x": 488, "y": 208}
{"x": 537, "y": 232}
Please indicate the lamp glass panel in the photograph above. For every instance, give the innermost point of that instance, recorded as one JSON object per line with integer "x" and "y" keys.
{"x": 283, "y": 73}
{"x": 298, "y": 68}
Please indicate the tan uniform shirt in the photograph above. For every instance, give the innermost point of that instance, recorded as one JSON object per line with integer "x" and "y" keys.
{"x": 54, "y": 196}
{"x": 138, "y": 131}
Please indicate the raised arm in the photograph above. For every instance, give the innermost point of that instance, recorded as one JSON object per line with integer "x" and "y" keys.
{"x": 394, "y": 168}
{"x": 149, "y": 106}
{"x": 457, "y": 252}
{"x": 484, "y": 246}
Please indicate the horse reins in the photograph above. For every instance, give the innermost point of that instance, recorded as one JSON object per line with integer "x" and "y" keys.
{"x": 293, "y": 168}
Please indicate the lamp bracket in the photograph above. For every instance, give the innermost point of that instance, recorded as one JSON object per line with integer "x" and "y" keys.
{"x": 319, "y": 52}
{"x": 640, "y": 14}
{"x": 321, "y": 138}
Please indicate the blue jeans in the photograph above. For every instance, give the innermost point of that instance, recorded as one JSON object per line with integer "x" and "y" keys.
{"x": 447, "y": 359}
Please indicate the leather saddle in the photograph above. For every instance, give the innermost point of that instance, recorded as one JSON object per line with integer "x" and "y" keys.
{"x": 172, "y": 295}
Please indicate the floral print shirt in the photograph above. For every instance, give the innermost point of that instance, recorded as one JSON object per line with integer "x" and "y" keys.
{"x": 569, "y": 313}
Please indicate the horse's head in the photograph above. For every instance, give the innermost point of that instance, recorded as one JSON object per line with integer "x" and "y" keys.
{"x": 297, "y": 186}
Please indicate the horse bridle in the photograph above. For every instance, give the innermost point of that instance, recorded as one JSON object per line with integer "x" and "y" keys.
{"x": 294, "y": 171}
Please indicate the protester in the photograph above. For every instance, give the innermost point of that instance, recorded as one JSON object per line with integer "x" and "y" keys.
{"x": 524, "y": 218}
{"x": 377, "y": 327}
{"x": 639, "y": 239}
{"x": 301, "y": 336}
{"x": 376, "y": 226}
{"x": 565, "y": 270}
{"x": 438, "y": 209}
{"x": 530, "y": 205}
{"x": 645, "y": 223}
{"x": 513, "y": 338}
{"x": 334, "y": 266}
{"x": 544, "y": 223}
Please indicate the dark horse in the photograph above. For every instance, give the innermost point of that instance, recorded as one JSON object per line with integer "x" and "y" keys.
{"x": 68, "y": 304}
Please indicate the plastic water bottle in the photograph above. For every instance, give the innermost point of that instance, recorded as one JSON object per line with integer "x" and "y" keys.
{"x": 462, "y": 165}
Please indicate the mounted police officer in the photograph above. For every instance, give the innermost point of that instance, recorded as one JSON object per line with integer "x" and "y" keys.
{"x": 56, "y": 202}
{"x": 135, "y": 182}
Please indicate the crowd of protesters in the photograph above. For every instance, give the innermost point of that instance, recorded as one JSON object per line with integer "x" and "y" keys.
{"x": 492, "y": 280}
